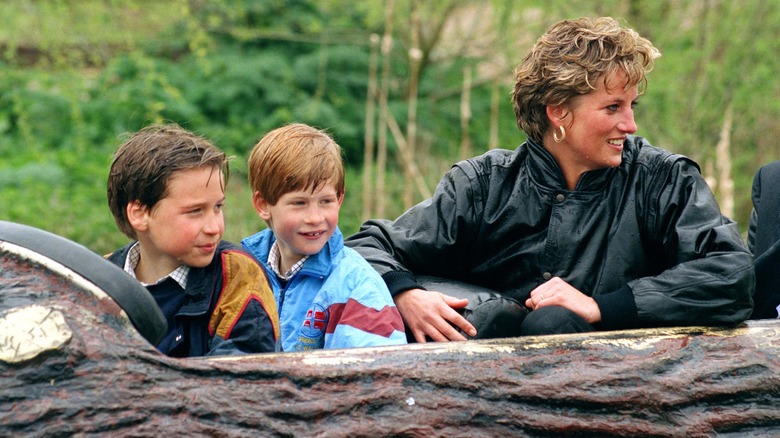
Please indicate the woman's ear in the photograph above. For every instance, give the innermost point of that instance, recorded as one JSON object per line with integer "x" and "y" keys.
{"x": 137, "y": 215}
{"x": 261, "y": 206}
{"x": 556, "y": 114}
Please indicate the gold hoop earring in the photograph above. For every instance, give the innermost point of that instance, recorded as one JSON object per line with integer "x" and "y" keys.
{"x": 555, "y": 134}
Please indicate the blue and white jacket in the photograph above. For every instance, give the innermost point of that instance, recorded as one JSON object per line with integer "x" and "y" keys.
{"x": 337, "y": 300}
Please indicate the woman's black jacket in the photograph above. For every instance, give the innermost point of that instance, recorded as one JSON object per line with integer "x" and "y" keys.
{"x": 646, "y": 239}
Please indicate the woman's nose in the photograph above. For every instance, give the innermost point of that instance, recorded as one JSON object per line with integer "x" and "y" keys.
{"x": 628, "y": 125}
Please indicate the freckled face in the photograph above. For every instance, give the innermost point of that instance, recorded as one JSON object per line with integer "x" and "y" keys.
{"x": 186, "y": 226}
{"x": 302, "y": 221}
{"x": 597, "y": 126}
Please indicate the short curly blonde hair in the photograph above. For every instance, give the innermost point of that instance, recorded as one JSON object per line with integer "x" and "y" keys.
{"x": 569, "y": 59}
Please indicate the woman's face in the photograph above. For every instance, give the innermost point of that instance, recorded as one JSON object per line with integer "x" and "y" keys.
{"x": 596, "y": 125}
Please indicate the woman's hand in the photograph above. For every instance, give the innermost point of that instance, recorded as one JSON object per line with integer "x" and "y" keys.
{"x": 431, "y": 313}
{"x": 557, "y": 292}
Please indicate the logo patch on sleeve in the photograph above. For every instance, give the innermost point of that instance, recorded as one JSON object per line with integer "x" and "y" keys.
{"x": 312, "y": 333}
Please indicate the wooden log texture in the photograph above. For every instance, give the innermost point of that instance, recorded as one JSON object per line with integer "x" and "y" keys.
{"x": 99, "y": 376}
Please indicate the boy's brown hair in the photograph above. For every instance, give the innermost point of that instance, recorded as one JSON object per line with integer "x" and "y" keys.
{"x": 143, "y": 165}
{"x": 295, "y": 157}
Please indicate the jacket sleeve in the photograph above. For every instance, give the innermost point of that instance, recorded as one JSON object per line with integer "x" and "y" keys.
{"x": 365, "y": 316}
{"x": 751, "y": 236}
{"x": 432, "y": 237}
{"x": 755, "y": 196}
{"x": 766, "y": 205}
{"x": 709, "y": 279}
{"x": 245, "y": 318}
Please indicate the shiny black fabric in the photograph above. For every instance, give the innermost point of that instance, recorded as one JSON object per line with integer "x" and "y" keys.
{"x": 764, "y": 229}
{"x": 646, "y": 239}
{"x": 764, "y": 240}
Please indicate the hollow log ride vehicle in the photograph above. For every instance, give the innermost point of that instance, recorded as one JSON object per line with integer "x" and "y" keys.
{"x": 77, "y": 358}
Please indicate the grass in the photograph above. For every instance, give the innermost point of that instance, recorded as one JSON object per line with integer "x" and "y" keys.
{"x": 51, "y": 24}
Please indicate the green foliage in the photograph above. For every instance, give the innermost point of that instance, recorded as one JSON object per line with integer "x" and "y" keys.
{"x": 76, "y": 76}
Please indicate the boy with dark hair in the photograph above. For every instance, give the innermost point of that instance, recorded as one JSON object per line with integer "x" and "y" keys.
{"x": 328, "y": 295}
{"x": 166, "y": 190}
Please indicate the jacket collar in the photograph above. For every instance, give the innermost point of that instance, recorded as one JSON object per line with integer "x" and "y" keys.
{"x": 545, "y": 170}
{"x": 197, "y": 291}
{"x": 201, "y": 284}
{"x": 319, "y": 264}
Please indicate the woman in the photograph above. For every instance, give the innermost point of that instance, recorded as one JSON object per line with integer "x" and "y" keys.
{"x": 589, "y": 226}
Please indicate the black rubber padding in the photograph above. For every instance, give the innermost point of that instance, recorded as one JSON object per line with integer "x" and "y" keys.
{"x": 128, "y": 293}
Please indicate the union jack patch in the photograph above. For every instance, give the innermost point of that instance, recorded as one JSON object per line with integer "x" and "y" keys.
{"x": 312, "y": 333}
{"x": 315, "y": 319}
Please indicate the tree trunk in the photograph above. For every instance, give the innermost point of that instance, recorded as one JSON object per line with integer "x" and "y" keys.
{"x": 77, "y": 367}
{"x": 723, "y": 161}
{"x": 494, "y": 97}
{"x": 381, "y": 161}
{"x": 415, "y": 56}
{"x": 368, "y": 140}
{"x": 465, "y": 115}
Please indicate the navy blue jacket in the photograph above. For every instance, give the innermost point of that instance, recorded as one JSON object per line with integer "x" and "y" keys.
{"x": 228, "y": 307}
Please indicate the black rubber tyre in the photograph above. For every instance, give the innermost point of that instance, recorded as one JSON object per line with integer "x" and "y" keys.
{"x": 128, "y": 293}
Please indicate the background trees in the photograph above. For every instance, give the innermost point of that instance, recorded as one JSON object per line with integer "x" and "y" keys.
{"x": 75, "y": 76}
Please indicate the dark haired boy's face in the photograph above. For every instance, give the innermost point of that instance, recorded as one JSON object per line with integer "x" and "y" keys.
{"x": 186, "y": 225}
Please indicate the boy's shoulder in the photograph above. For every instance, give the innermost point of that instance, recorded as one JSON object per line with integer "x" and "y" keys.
{"x": 226, "y": 245}
{"x": 258, "y": 244}
{"x": 355, "y": 261}
{"x": 231, "y": 260}
{"x": 235, "y": 250}
{"x": 118, "y": 257}
{"x": 354, "y": 275}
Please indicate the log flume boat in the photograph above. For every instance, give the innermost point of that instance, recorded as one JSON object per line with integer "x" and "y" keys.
{"x": 77, "y": 358}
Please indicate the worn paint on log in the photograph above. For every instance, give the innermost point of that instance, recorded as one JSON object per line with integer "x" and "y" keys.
{"x": 106, "y": 379}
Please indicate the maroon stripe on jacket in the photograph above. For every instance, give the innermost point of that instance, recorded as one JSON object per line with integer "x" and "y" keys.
{"x": 379, "y": 322}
